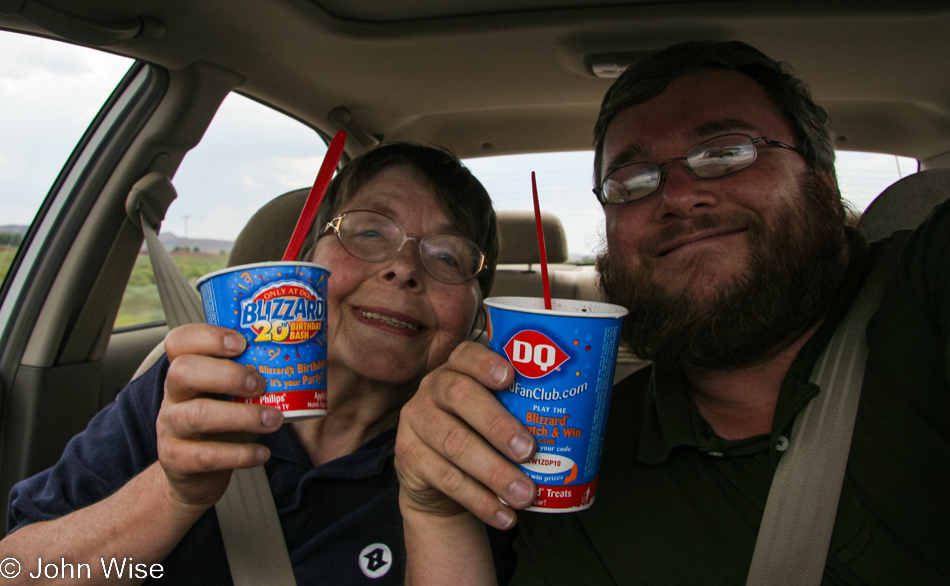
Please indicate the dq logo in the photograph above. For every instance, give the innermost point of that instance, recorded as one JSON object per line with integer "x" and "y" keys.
{"x": 533, "y": 354}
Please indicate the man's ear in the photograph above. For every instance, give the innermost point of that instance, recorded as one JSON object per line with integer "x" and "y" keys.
{"x": 829, "y": 178}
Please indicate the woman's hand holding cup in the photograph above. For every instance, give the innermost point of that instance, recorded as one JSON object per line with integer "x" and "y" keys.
{"x": 201, "y": 439}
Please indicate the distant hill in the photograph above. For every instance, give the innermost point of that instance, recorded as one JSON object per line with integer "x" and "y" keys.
{"x": 11, "y": 229}
{"x": 170, "y": 240}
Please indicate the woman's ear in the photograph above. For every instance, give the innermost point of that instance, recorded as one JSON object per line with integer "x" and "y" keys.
{"x": 478, "y": 334}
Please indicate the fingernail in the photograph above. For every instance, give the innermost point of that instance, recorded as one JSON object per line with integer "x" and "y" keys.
{"x": 253, "y": 384}
{"x": 504, "y": 518}
{"x": 521, "y": 447}
{"x": 234, "y": 342}
{"x": 271, "y": 418}
{"x": 519, "y": 492}
{"x": 498, "y": 374}
{"x": 263, "y": 454}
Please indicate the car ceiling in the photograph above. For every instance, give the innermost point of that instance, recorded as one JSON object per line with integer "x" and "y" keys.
{"x": 489, "y": 77}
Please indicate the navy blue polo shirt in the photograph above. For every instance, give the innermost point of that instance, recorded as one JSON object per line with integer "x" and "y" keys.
{"x": 341, "y": 520}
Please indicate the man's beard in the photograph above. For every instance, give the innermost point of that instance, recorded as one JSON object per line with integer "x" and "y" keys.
{"x": 793, "y": 271}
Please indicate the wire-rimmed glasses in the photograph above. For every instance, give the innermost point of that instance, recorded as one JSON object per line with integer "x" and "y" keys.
{"x": 373, "y": 236}
{"x": 715, "y": 157}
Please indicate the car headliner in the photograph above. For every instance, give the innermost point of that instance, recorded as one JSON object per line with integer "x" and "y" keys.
{"x": 504, "y": 76}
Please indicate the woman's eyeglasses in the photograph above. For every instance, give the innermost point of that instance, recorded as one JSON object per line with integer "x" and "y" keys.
{"x": 372, "y": 236}
{"x": 715, "y": 157}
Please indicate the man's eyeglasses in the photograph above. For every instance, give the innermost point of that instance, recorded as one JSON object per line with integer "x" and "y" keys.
{"x": 715, "y": 157}
{"x": 372, "y": 236}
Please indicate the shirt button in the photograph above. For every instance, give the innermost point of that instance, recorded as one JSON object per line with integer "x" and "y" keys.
{"x": 781, "y": 444}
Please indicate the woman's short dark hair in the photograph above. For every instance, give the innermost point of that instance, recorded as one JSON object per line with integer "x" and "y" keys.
{"x": 648, "y": 78}
{"x": 461, "y": 196}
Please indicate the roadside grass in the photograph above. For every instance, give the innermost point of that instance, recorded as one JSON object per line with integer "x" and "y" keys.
{"x": 141, "y": 304}
{"x": 7, "y": 254}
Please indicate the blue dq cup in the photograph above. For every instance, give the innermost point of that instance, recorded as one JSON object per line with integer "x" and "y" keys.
{"x": 281, "y": 309}
{"x": 564, "y": 361}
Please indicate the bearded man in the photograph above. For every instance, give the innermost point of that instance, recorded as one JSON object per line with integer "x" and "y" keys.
{"x": 728, "y": 242}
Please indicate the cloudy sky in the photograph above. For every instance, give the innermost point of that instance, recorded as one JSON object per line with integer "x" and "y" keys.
{"x": 39, "y": 122}
{"x": 50, "y": 91}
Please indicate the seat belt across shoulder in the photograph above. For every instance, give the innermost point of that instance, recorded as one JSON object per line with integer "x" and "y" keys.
{"x": 250, "y": 526}
{"x": 795, "y": 532}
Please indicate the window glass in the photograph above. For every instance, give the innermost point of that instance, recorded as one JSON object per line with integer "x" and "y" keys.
{"x": 49, "y": 93}
{"x": 249, "y": 155}
{"x": 564, "y": 188}
{"x": 862, "y": 176}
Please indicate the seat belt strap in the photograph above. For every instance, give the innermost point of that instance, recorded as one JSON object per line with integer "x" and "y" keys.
{"x": 796, "y": 527}
{"x": 250, "y": 527}
{"x": 180, "y": 301}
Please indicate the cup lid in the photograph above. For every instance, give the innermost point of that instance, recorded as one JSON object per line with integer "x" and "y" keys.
{"x": 562, "y": 307}
{"x": 258, "y": 265}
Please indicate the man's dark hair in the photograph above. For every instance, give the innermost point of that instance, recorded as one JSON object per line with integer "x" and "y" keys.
{"x": 460, "y": 195}
{"x": 648, "y": 78}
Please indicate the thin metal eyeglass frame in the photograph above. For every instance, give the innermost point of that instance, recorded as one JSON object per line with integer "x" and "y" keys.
{"x": 334, "y": 225}
{"x": 599, "y": 190}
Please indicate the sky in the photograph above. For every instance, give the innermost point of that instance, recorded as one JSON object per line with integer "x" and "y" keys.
{"x": 50, "y": 91}
{"x": 39, "y": 123}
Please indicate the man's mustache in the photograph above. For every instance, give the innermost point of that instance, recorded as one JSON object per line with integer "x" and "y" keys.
{"x": 721, "y": 223}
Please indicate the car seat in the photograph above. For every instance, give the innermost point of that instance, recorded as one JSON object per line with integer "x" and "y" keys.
{"x": 906, "y": 203}
{"x": 266, "y": 235}
{"x": 518, "y": 271}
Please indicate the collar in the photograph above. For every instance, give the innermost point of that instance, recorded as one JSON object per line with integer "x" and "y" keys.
{"x": 672, "y": 419}
{"x": 369, "y": 459}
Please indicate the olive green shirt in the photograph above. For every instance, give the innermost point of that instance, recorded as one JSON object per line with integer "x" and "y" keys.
{"x": 678, "y": 505}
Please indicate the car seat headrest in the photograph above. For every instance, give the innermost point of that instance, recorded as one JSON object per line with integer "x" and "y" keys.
{"x": 906, "y": 203}
{"x": 519, "y": 238}
{"x": 267, "y": 233}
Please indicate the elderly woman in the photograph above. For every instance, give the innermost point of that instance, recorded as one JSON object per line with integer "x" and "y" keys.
{"x": 411, "y": 240}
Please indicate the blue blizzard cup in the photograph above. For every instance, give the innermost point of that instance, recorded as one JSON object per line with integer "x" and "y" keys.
{"x": 280, "y": 309}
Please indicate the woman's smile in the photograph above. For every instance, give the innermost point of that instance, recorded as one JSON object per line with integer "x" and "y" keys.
{"x": 393, "y": 322}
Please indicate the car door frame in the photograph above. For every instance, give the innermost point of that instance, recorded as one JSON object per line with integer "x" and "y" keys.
{"x": 149, "y": 123}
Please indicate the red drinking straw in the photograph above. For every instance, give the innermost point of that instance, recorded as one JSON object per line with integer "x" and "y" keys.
{"x": 309, "y": 212}
{"x": 544, "y": 256}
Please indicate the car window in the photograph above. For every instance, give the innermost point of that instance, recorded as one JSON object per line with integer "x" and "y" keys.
{"x": 249, "y": 155}
{"x": 862, "y": 176}
{"x": 564, "y": 188}
{"x": 39, "y": 128}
